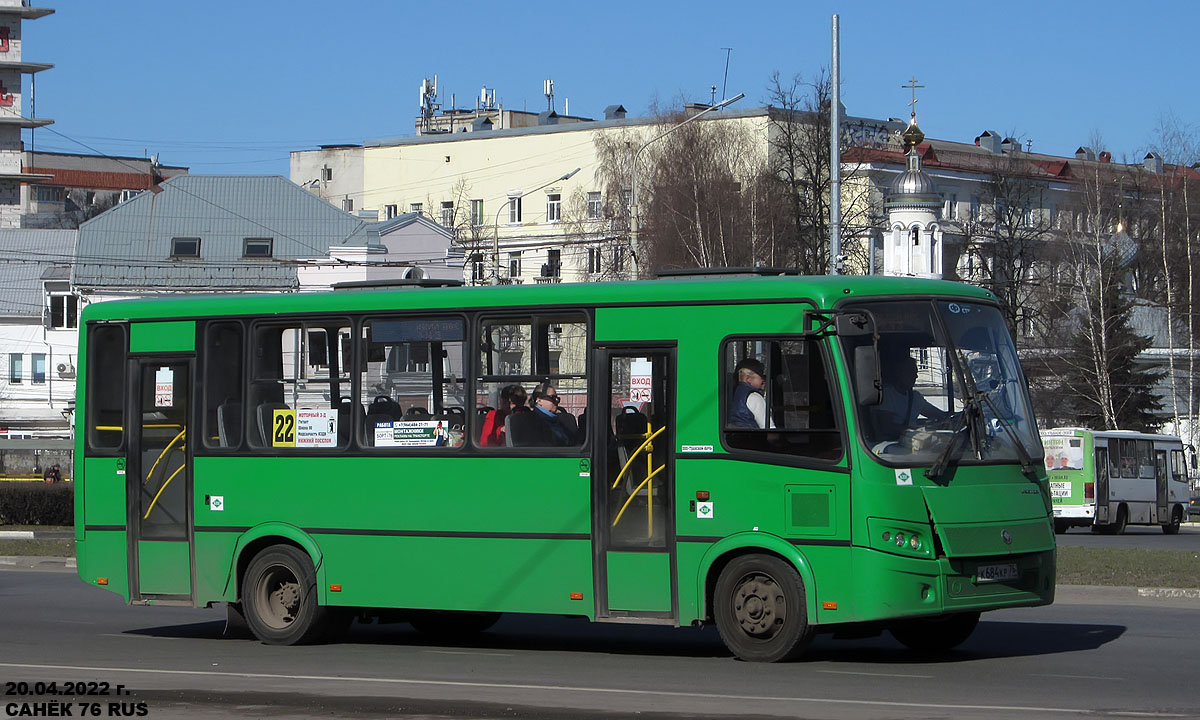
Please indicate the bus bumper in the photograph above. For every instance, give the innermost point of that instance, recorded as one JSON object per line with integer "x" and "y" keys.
{"x": 894, "y": 586}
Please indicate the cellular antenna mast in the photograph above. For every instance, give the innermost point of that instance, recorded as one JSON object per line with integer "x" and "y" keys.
{"x": 725, "y": 83}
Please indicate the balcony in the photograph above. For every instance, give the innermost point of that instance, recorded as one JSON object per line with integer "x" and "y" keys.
{"x": 543, "y": 280}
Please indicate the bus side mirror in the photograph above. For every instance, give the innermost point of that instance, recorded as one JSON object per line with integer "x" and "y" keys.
{"x": 868, "y": 387}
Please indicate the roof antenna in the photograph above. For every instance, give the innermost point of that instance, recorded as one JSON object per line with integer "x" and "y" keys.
{"x": 725, "y": 84}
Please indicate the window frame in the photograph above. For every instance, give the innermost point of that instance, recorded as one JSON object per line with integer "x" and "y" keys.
{"x": 514, "y": 210}
{"x": 477, "y": 213}
{"x": 34, "y": 377}
{"x": 92, "y": 385}
{"x": 250, "y": 242}
{"x": 553, "y": 207}
{"x": 595, "y": 205}
{"x": 16, "y": 368}
{"x": 178, "y": 245}
{"x": 725, "y": 386}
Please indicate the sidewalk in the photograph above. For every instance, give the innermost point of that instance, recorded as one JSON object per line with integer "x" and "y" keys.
{"x": 37, "y": 534}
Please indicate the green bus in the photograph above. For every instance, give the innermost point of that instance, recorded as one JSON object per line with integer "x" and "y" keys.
{"x": 308, "y": 459}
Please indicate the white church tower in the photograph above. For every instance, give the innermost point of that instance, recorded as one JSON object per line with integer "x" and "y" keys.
{"x": 912, "y": 244}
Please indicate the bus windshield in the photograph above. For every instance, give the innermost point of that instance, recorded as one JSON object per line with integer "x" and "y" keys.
{"x": 950, "y": 377}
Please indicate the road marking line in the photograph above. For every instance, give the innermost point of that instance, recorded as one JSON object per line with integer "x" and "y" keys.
{"x": 872, "y": 674}
{"x": 1081, "y": 677}
{"x": 466, "y": 652}
{"x": 570, "y": 688}
{"x": 144, "y": 637}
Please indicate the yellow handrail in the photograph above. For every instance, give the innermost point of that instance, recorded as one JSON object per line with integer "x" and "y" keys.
{"x": 160, "y": 490}
{"x": 163, "y": 454}
{"x": 634, "y": 454}
{"x": 632, "y": 495}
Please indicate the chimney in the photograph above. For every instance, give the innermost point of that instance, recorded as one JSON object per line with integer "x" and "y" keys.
{"x": 614, "y": 112}
{"x": 1085, "y": 153}
{"x": 989, "y": 141}
{"x": 548, "y": 117}
{"x": 1105, "y": 156}
{"x": 1153, "y": 163}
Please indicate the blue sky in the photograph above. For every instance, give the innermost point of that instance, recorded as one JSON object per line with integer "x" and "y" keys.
{"x": 225, "y": 87}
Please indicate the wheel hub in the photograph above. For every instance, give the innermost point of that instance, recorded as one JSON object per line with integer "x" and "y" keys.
{"x": 759, "y": 606}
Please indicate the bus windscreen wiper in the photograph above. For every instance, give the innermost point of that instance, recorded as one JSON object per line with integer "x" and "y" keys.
{"x": 1023, "y": 455}
{"x": 972, "y": 423}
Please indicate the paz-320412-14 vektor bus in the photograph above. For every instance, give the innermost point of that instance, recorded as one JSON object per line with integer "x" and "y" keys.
{"x": 309, "y": 458}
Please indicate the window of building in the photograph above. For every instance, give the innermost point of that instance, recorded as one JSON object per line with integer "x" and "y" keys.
{"x": 553, "y": 207}
{"x": 326, "y": 173}
{"x": 414, "y": 207}
{"x": 514, "y": 210}
{"x": 50, "y": 194}
{"x": 105, "y": 406}
{"x": 477, "y": 270}
{"x": 553, "y": 266}
{"x": 39, "y": 368}
{"x": 447, "y": 214}
{"x": 390, "y": 211}
{"x": 476, "y": 213}
{"x": 975, "y": 207}
{"x": 127, "y": 195}
{"x": 514, "y": 264}
{"x": 618, "y": 258}
{"x": 348, "y": 204}
{"x": 299, "y": 372}
{"x": 594, "y": 209}
{"x": 185, "y": 247}
{"x": 414, "y": 388}
{"x": 593, "y": 261}
{"x": 527, "y": 351}
{"x": 16, "y": 368}
{"x": 224, "y": 410}
{"x": 777, "y": 398}
{"x": 257, "y": 247}
{"x": 952, "y": 206}
{"x": 63, "y": 310}
{"x": 915, "y": 235}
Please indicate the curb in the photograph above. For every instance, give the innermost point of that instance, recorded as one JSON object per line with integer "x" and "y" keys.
{"x": 31, "y": 562}
{"x": 37, "y": 535}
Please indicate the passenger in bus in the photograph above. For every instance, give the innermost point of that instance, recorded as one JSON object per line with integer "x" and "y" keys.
{"x": 902, "y": 405}
{"x": 512, "y": 399}
{"x": 544, "y": 425}
{"x": 748, "y": 408}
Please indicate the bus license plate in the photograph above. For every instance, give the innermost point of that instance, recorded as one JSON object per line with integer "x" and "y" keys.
{"x": 996, "y": 573}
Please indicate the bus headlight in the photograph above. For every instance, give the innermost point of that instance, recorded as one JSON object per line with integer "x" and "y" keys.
{"x": 899, "y": 538}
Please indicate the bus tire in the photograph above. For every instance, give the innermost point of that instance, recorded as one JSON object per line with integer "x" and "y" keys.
{"x": 452, "y": 624}
{"x": 1172, "y": 528}
{"x": 761, "y": 610}
{"x": 935, "y": 634}
{"x": 279, "y": 597}
{"x": 1118, "y": 527}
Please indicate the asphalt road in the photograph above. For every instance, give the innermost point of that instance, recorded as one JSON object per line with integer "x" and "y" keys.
{"x": 1149, "y": 537}
{"x": 1096, "y": 651}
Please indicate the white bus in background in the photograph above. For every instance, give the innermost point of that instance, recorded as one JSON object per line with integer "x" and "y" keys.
{"x": 1107, "y": 479}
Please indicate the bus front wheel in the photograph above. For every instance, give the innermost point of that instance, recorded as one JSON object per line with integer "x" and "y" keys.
{"x": 935, "y": 634}
{"x": 760, "y": 609}
{"x": 279, "y": 597}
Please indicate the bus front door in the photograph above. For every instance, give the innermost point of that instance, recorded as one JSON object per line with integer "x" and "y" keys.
{"x": 633, "y": 535}
{"x": 159, "y": 481}
{"x": 1101, "y": 490}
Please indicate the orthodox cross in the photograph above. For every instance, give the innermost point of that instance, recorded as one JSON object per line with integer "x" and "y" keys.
{"x": 912, "y": 85}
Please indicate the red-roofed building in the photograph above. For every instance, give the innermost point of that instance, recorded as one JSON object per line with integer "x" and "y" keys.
{"x": 73, "y": 188}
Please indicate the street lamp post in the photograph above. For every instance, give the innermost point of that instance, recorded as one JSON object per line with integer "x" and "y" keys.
{"x": 496, "y": 234}
{"x": 633, "y": 195}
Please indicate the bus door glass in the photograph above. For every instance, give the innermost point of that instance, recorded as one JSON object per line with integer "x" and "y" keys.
{"x": 1160, "y": 484}
{"x": 1102, "y": 469}
{"x": 159, "y": 478}
{"x": 633, "y": 484}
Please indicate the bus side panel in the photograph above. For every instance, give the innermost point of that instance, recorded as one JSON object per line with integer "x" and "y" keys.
{"x": 807, "y": 509}
{"x": 104, "y": 552}
{"x": 418, "y": 532}
{"x": 214, "y": 563}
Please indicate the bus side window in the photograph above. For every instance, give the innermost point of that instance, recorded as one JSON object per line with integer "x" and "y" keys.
{"x": 800, "y": 417}
{"x": 106, "y": 386}
{"x": 299, "y": 373}
{"x": 223, "y": 384}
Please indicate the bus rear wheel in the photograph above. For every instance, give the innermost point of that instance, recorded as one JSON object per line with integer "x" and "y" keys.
{"x": 1172, "y": 528}
{"x": 761, "y": 610}
{"x": 935, "y": 634}
{"x": 279, "y": 597}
